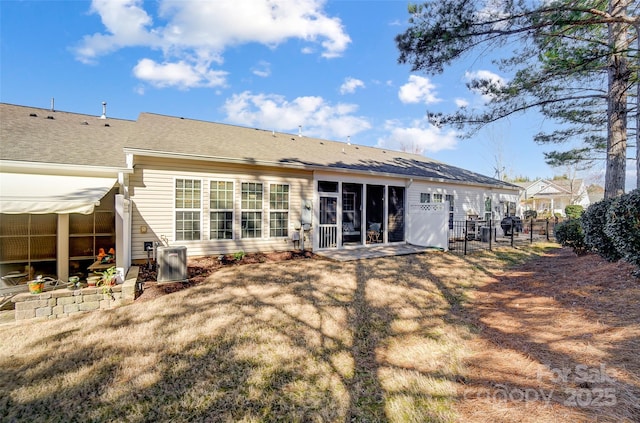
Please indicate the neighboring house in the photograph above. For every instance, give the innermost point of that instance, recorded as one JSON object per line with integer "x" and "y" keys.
{"x": 552, "y": 196}
{"x": 216, "y": 189}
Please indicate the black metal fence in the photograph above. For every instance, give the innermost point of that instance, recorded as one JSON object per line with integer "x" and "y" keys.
{"x": 466, "y": 236}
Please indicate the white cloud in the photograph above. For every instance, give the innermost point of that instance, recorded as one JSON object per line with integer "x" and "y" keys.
{"x": 350, "y": 85}
{"x": 126, "y": 23}
{"x": 314, "y": 114}
{"x": 180, "y": 74}
{"x": 213, "y": 26}
{"x": 193, "y": 33}
{"x": 418, "y": 90}
{"x": 419, "y": 136}
{"x": 263, "y": 69}
{"x": 495, "y": 80}
{"x": 494, "y": 11}
{"x": 461, "y": 102}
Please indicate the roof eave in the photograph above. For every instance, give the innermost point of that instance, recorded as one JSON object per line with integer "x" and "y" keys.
{"x": 302, "y": 166}
{"x": 16, "y": 166}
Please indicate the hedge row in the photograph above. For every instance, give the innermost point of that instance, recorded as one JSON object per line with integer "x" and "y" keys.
{"x": 610, "y": 227}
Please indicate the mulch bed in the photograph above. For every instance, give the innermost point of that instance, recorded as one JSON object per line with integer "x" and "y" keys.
{"x": 200, "y": 268}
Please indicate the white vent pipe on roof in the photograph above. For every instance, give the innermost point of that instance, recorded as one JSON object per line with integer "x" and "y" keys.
{"x": 104, "y": 110}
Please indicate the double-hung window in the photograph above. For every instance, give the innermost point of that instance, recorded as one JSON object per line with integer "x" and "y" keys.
{"x": 278, "y": 210}
{"x": 437, "y": 198}
{"x": 425, "y": 197}
{"x": 251, "y": 204}
{"x": 221, "y": 210}
{"x": 188, "y": 205}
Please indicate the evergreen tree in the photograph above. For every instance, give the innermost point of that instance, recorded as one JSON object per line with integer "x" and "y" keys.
{"x": 574, "y": 62}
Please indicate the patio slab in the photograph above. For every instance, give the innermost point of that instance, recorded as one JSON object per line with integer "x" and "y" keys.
{"x": 368, "y": 252}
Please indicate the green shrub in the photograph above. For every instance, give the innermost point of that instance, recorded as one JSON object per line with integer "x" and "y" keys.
{"x": 594, "y": 221}
{"x": 530, "y": 214}
{"x": 569, "y": 234}
{"x": 574, "y": 211}
{"x": 623, "y": 226}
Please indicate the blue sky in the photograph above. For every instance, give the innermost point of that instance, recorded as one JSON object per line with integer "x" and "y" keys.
{"x": 327, "y": 67}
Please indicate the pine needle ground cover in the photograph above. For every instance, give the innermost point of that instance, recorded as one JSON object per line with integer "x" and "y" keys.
{"x": 429, "y": 337}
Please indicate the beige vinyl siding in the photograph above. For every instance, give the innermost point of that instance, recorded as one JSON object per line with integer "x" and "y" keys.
{"x": 152, "y": 193}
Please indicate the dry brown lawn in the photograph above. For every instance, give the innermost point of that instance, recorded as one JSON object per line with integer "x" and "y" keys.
{"x": 528, "y": 335}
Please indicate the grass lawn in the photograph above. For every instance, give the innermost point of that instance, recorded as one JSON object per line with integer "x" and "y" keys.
{"x": 423, "y": 338}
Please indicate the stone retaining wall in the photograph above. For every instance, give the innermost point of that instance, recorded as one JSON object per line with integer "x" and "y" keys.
{"x": 65, "y": 302}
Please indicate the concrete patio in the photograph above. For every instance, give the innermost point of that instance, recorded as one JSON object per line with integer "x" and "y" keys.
{"x": 360, "y": 253}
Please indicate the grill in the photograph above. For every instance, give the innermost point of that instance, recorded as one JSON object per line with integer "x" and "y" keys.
{"x": 510, "y": 224}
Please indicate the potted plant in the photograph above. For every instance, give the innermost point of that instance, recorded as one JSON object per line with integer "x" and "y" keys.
{"x": 108, "y": 277}
{"x": 36, "y": 286}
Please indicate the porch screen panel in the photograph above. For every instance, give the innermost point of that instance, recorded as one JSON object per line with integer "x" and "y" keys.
{"x": 396, "y": 214}
{"x": 375, "y": 213}
{"x": 351, "y": 214}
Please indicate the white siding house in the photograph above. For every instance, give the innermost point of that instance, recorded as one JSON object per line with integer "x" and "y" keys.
{"x": 218, "y": 189}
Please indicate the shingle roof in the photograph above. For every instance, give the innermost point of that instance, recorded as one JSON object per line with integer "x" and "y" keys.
{"x": 40, "y": 135}
{"x": 71, "y": 138}
{"x": 179, "y": 136}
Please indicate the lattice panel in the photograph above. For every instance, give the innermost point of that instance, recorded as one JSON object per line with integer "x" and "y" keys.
{"x": 427, "y": 208}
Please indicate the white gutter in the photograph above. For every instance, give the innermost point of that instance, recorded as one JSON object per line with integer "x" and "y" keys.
{"x": 14, "y": 166}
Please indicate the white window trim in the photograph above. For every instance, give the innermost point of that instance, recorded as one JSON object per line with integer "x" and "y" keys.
{"x": 287, "y": 210}
{"x": 232, "y": 210}
{"x": 176, "y": 209}
{"x": 261, "y": 210}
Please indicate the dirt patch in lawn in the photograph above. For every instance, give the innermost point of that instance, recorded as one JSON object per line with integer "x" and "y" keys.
{"x": 559, "y": 338}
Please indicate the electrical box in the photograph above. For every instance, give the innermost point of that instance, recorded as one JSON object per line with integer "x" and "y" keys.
{"x": 172, "y": 264}
{"x": 307, "y": 214}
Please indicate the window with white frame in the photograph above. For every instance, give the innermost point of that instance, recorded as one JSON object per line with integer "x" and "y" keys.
{"x": 488, "y": 215}
{"x": 279, "y": 210}
{"x": 425, "y": 197}
{"x": 188, "y": 194}
{"x": 449, "y": 198}
{"x": 251, "y": 204}
{"x": 221, "y": 210}
{"x": 437, "y": 198}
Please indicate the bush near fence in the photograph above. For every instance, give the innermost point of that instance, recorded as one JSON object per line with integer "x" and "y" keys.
{"x": 610, "y": 227}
